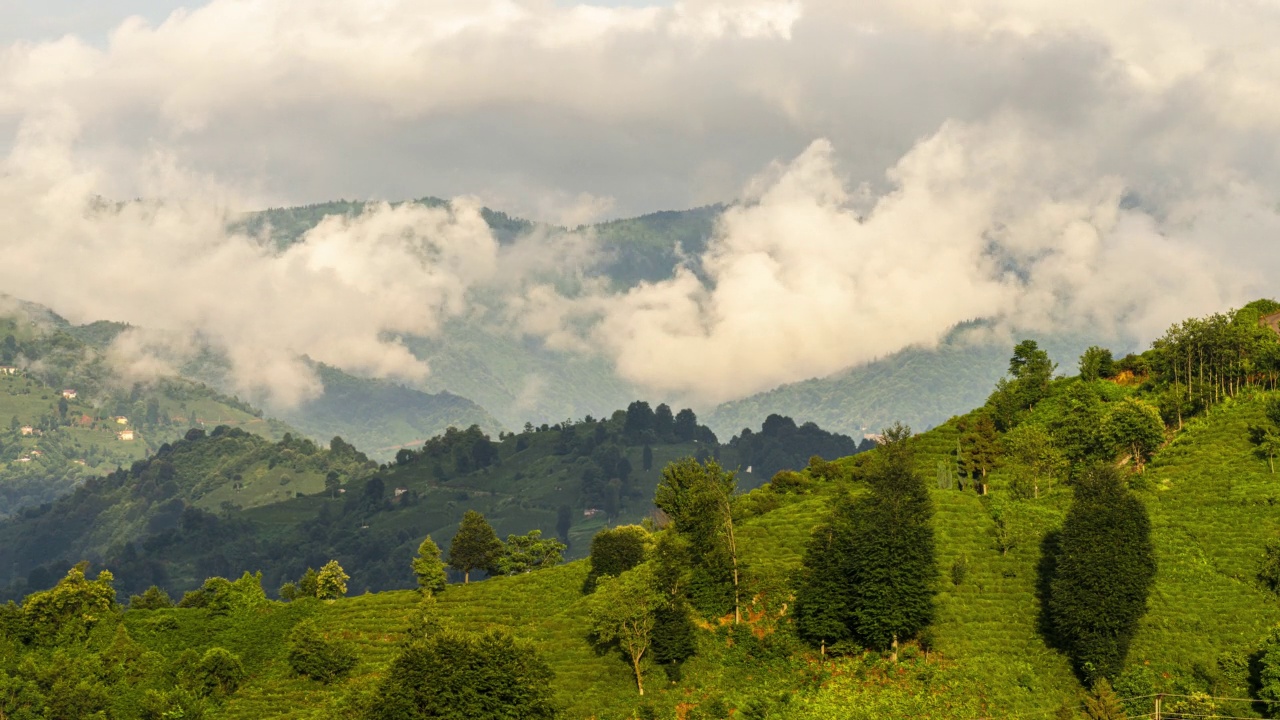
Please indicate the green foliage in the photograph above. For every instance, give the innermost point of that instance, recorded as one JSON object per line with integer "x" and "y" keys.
{"x": 524, "y": 553}
{"x": 457, "y": 676}
{"x": 1269, "y": 568}
{"x": 1103, "y": 703}
{"x": 317, "y": 657}
{"x": 218, "y": 673}
{"x": 153, "y": 598}
{"x": 615, "y": 551}
{"x": 429, "y": 568}
{"x": 475, "y": 546}
{"x": 698, "y": 499}
{"x": 623, "y": 614}
{"x": 1033, "y": 458}
{"x": 70, "y": 610}
{"x": 869, "y": 574}
{"x": 1134, "y": 427}
{"x": 1269, "y": 672}
{"x": 1096, "y": 363}
{"x": 1104, "y": 571}
{"x": 331, "y": 581}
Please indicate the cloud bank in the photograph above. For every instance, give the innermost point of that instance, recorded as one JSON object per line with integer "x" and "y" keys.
{"x": 902, "y": 167}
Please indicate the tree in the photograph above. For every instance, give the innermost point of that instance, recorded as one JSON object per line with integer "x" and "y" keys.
{"x": 1269, "y": 569}
{"x": 152, "y": 599}
{"x": 623, "y": 613}
{"x": 868, "y": 573}
{"x": 1267, "y": 443}
{"x": 317, "y": 657}
{"x": 70, "y": 609}
{"x": 646, "y": 457}
{"x": 1103, "y": 572}
{"x": 1269, "y": 672}
{"x": 1135, "y": 427}
{"x": 1096, "y": 363}
{"x": 686, "y": 425}
{"x": 475, "y": 546}
{"x": 523, "y": 553}
{"x": 453, "y": 675}
{"x": 219, "y": 672}
{"x": 615, "y": 551}
{"x": 1034, "y": 458}
{"x": 308, "y": 584}
{"x": 331, "y": 581}
{"x": 429, "y": 568}
{"x": 332, "y": 483}
{"x": 698, "y": 498}
{"x": 1103, "y": 703}
{"x": 979, "y": 450}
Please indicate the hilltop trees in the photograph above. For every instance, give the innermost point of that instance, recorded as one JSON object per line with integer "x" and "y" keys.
{"x": 475, "y": 546}
{"x": 1030, "y": 371}
{"x": 1103, "y": 572}
{"x": 868, "y": 574}
{"x": 1096, "y": 363}
{"x": 523, "y": 553}
{"x": 1266, "y": 437}
{"x": 331, "y": 581}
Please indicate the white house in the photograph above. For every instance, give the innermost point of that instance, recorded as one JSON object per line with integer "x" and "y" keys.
{"x": 69, "y": 394}
{"x": 27, "y": 430}
{"x": 8, "y": 370}
{"x": 125, "y": 435}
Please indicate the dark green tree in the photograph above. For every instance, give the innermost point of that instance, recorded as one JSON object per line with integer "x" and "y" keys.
{"x": 1102, "y": 574}
{"x": 869, "y": 572}
{"x": 475, "y": 546}
{"x": 646, "y": 457}
{"x": 313, "y": 655}
{"x": 686, "y": 425}
{"x": 452, "y": 675}
{"x": 698, "y": 498}
{"x": 1133, "y": 427}
{"x": 615, "y": 551}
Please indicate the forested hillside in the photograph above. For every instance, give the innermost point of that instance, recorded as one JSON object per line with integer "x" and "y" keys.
{"x": 1072, "y": 548}
{"x": 214, "y": 502}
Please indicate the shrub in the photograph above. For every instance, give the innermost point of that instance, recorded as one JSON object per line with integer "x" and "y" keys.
{"x": 314, "y": 656}
{"x": 219, "y": 672}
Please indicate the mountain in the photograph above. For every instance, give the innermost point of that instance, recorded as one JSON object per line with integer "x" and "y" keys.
{"x": 210, "y": 503}
{"x": 380, "y": 415}
{"x": 921, "y": 387}
{"x": 1201, "y": 642}
{"x": 66, "y": 415}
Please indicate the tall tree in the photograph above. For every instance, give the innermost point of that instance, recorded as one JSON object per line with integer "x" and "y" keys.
{"x": 1035, "y": 459}
{"x": 331, "y": 581}
{"x": 698, "y": 498}
{"x": 475, "y": 546}
{"x": 979, "y": 449}
{"x": 624, "y": 614}
{"x": 1096, "y": 363}
{"x": 869, "y": 571}
{"x": 1103, "y": 573}
{"x": 429, "y": 568}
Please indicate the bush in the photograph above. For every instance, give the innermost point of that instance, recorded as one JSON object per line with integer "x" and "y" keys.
{"x": 1269, "y": 572}
{"x": 219, "y": 672}
{"x": 153, "y": 599}
{"x": 314, "y": 656}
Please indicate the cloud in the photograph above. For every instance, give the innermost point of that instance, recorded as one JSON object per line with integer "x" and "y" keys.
{"x": 906, "y": 165}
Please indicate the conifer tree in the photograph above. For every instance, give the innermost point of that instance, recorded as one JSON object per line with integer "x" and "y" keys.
{"x": 1104, "y": 570}
{"x": 429, "y": 568}
{"x": 1103, "y": 703}
{"x": 475, "y": 546}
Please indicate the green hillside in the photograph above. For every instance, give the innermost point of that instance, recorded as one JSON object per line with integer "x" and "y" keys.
{"x": 990, "y": 651}
{"x": 65, "y": 416}
{"x": 921, "y": 387}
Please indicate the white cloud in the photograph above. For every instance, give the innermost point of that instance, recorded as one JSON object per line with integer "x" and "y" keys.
{"x": 1106, "y": 165}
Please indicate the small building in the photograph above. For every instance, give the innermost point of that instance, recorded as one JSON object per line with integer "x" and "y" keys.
{"x": 69, "y": 394}
{"x": 121, "y": 420}
{"x": 24, "y": 459}
{"x": 126, "y": 435}
{"x": 27, "y": 430}
{"x": 401, "y": 490}
{"x": 8, "y": 370}
{"x": 591, "y": 512}
{"x": 1272, "y": 321}
{"x": 36, "y": 453}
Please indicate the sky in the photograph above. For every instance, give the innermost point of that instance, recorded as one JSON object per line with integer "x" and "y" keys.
{"x": 896, "y": 168}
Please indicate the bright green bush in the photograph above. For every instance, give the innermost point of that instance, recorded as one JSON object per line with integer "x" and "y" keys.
{"x": 317, "y": 657}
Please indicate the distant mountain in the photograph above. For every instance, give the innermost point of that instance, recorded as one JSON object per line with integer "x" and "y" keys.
{"x": 921, "y": 387}
{"x": 380, "y": 415}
